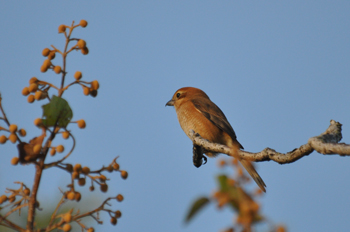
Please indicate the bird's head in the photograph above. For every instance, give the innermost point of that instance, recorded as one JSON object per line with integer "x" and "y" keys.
{"x": 185, "y": 94}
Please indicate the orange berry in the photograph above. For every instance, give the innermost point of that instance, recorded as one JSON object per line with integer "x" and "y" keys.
{"x": 43, "y": 68}
{"x": 57, "y": 69}
{"x": 85, "y": 51}
{"x": 109, "y": 168}
{"x": 103, "y": 178}
{"x": 3, "y": 198}
{"x": 61, "y": 28}
{"x": 33, "y": 80}
{"x": 38, "y": 121}
{"x": 26, "y": 191}
{"x": 67, "y": 217}
{"x": 46, "y": 52}
{"x": 38, "y": 95}
{"x": 90, "y": 230}
{"x": 47, "y": 63}
{"x": 14, "y": 160}
{"x": 70, "y": 195}
{"x": 77, "y": 167}
{"x": 81, "y": 123}
{"x": 33, "y": 87}
{"x": 65, "y": 134}
{"x": 116, "y": 166}
{"x": 81, "y": 43}
{"x": 124, "y": 174}
{"x": 78, "y": 75}
{"x": 3, "y": 139}
{"x": 25, "y": 91}
{"x": 52, "y": 55}
{"x": 95, "y": 85}
{"x": 60, "y": 148}
{"x": 85, "y": 170}
{"x": 31, "y": 98}
{"x": 13, "y": 128}
{"x": 13, "y": 138}
{"x": 66, "y": 227}
{"x": 86, "y": 91}
{"x": 53, "y": 151}
{"x": 92, "y": 188}
{"x": 77, "y": 196}
{"x": 83, "y": 23}
{"x": 22, "y": 132}
{"x": 37, "y": 148}
{"x": 120, "y": 198}
{"x": 75, "y": 175}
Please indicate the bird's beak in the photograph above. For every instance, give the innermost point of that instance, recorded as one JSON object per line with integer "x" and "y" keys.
{"x": 170, "y": 103}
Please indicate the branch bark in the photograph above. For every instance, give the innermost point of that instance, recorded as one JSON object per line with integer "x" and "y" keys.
{"x": 326, "y": 143}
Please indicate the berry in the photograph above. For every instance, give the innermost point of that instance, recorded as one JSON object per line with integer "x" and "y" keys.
{"x": 90, "y": 230}
{"x": 33, "y": 87}
{"x": 83, "y": 23}
{"x": 53, "y": 151}
{"x": 120, "y": 198}
{"x": 118, "y": 214}
{"x": 81, "y": 181}
{"x": 85, "y": 51}
{"x": 13, "y": 138}
{"x": 61, "y": 28}
{"x": 3, "y": 139}
{"x": 65, "y": 135}
{"x": 78, "y": 75}
{"x": 67, "y": 217}
{"x": 95, "y": 85}
{"x": 37, "y": 148}
{"x": 81, "y": 123}
{"x": 104, "y": 188}
{"x": 93, "y": 93}
{"x": 116, "y": 166}
{"x": 57, "y": 69}
{"x": 52, "y": 55}
{"x": 13, "y": 128}
{"x": 46, "y": 52}
{"x": 66, "y": 227}
{"x": 33, "y": 80}
{"x": 77, "y": 196}
{"x": 26, "y": 191}
{"x": 71, "y": 195}
{"x": 60, "y": 148}
{"x": 124, "y": 174}
{"x": 22, "y": 132}
{"x": 30, "y": 98}
{"x": 81, "y": 44}
{"x": 113, "y": 221}
{"x": 77, "y": 167}
{"x": 38, "y": 121}
{"x": 14, "y": 160}
{"x": 86, "y": 91}
{"x": 25, "y": 91}
{"x": 75, "y": 175}
{"x": 85, "y": 170}
{"x": 38, "y": 95}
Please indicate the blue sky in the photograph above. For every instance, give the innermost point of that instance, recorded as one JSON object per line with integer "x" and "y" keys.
{"x": 278, "y": 69}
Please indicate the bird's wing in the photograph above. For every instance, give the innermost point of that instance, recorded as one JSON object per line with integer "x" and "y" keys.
{"x": 215, "y": 115}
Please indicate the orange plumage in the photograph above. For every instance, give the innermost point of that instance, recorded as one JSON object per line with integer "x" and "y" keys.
{"x": 195, "y": 111}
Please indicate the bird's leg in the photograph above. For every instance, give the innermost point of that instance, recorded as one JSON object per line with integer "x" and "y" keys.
{"x": 198, "y": 156}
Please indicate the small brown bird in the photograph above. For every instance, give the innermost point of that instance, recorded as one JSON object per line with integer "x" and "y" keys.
{"x": 195, "y": 111}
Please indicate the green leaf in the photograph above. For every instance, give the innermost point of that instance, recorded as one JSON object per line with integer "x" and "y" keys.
{"x": 222, "y": 181}
{"x": 57, "y": 111}
{"x": 196, "y": 206}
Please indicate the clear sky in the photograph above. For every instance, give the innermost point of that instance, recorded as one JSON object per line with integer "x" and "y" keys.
{"x": 279, "y": 70}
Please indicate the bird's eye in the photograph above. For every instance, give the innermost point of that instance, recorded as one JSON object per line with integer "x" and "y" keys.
{"x": 178, "y": 95}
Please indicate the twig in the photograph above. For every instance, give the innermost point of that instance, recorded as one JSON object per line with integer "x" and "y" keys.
{"x": 326, "y": 143}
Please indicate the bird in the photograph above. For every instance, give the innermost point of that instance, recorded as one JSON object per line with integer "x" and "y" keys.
{"x": 195, "y": 111}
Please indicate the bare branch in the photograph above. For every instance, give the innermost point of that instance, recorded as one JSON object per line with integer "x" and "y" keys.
{"x": 326, "y": 143}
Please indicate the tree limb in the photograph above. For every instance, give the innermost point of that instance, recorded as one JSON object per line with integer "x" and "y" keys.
{"x": 326, "y": 143}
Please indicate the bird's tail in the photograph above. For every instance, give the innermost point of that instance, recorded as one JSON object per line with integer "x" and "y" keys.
{"x": 249, "y": 167}
{"x": 253, "y": 173}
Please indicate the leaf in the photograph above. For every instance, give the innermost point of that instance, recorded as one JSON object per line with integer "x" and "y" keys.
{"x": 57, "y": 111}
{"x": 196, "y": 206}
{"x": 222, "y": 181}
